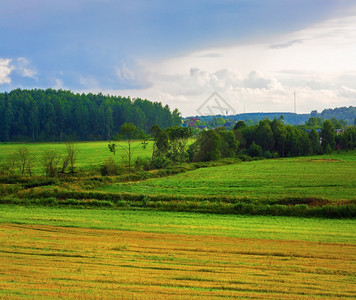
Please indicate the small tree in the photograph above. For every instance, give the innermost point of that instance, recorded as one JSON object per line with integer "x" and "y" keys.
{"x": 9, "y": 165}
{"x": 178, "y": 137}
{"x": 129, "y": 134}
{"x": 65, "y": 163}
{"x": 112, "y": 147}
{"x": 72, "y": 155}
{"x": 161, "y": 144}
{"x": 69, "y": 160}
{"x": 25, "y": 160}
{"x": 50, "y": 163}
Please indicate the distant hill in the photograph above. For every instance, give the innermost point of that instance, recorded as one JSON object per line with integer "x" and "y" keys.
{"x": 348, "y": 114}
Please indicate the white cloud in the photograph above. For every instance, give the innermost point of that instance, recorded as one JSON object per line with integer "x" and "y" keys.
{"x": 319, "y": 63}
{"x": 257, "y": 80}
{"x": 124, "y": 73}
{"x": 24, "y": 68}
{"x": 21, "y": 66}
{"x": 58, "y": 84}
{"x": 89, "y": 82}
{"x": 5, "y": 70}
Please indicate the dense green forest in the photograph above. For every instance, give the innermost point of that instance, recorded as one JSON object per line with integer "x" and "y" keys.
{"x": 58, "y": 115}
{"x": 270, "y": 139}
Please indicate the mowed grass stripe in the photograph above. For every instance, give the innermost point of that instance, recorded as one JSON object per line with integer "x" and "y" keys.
{"x": 261, "y": 227}
{"x": 135, "y": 263}
{"x": 267, "y": 180}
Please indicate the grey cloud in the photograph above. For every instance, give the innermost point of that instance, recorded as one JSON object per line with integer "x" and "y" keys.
{"x": 212, "y": 55}
{"x": 347, "y": 92}
{"x": 255, "y": 80}
{"x": 285, "y": 45}
{"x": 132, "y": 77}
{"x": 347, "y": 79}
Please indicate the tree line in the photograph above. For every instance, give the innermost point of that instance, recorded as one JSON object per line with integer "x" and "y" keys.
{"x": 266, "y": 139}
{"x": 176, "y": 145}
{"x": 58, "y": 115}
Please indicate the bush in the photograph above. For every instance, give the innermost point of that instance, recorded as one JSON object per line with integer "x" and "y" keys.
{"x": 110, "y": 167}
{"x": 142, "y": 164}
{"x": 267, "y": 154}
{"x": 244, "y": 157}
{"x": 160, "y": 162}
{"x": 255, "y": 150}
{"x": 8, "y": 166}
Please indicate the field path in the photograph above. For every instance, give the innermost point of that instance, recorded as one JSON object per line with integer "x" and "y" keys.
{"x": 64, "y": 262}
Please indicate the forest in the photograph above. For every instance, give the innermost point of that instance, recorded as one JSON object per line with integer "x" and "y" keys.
{"x": 57, "y": 115}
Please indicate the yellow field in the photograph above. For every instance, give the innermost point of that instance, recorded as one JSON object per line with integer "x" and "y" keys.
{"x": 41, "y": 261}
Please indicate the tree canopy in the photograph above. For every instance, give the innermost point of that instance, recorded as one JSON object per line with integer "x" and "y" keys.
{"x": 58, "y": 115}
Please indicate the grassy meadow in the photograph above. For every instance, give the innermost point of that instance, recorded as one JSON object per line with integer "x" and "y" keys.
{"x": 268, "y": 180}
{"x": 69, "y": 253}
{"x": 136, "y": 236}
{"x": 90, "y": 154}
{"x": 315, "y": 186}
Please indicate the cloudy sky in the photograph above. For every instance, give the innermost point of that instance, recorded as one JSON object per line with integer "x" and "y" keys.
{"x": 254, "y": 53}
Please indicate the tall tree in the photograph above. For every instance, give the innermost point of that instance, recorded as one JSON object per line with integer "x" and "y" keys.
{"x": 161, "y": 144}
{"x": 327, "y": 135}
{"x": 178, "y": 138}
{"x": 208, "y": 146}
{"x": 315, "y": 142}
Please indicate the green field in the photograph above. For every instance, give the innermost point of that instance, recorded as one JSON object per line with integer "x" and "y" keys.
{"x": 68, "y": 253}
{"x": 259, "y": 227}
{"x": 55, "y": 243}
{"x": 90, "y": 154}
{"x": 322, "y": 186}
{"x": 327, "y": 177}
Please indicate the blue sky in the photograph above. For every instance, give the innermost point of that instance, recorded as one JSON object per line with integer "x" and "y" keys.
{"x": 255, "y": 53}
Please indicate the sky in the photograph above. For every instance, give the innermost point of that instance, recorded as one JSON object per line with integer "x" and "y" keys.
{"x": 256, "y": 55}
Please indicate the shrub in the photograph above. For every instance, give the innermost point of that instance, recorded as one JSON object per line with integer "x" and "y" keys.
{"x": 9, "y": 165}
{"x": 244, "y": 157}
{"x": 267, "y": 154}
{"x": 142, "y": 164}
{"x": 255, "y": 150}
{"x": 160, "y": 162}
{"x": 50, "y": 161}
{"x": 109, "y": 168}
